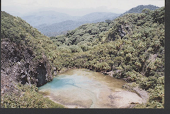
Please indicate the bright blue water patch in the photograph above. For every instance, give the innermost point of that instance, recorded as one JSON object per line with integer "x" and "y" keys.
{"x": 66, "y": 81}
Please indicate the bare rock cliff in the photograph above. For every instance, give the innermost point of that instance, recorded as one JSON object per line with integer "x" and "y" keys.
{"x": 18, "y": 66}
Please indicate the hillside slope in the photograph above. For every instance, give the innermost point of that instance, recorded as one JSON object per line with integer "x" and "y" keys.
{"x": 24, "y": 61}
{"x": 131, "y": 48}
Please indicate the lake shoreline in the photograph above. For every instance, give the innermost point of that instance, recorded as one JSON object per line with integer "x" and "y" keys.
{"x": 107, "y": 95}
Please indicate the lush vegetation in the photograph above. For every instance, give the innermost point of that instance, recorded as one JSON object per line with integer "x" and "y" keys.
{"x": 87, "y": 34}
{"x": 132, "y": 46}
{"x": 18, "y": 31}
{"x": 27, "y": 97}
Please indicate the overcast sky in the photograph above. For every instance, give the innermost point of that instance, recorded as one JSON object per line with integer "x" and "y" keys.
{"x": 74, "y": 7}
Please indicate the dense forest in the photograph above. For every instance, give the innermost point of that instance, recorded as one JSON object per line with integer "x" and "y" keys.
{"x": 131, "y": 47}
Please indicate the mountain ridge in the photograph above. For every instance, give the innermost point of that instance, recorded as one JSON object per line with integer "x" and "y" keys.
{"x": 56, "y": 25}
{"x": 47, "y": 17}
{"x": 57, "y": 28}
{"x": 139, "y": 8}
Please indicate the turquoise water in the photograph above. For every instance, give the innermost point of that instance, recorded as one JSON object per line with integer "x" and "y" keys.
{"x": 80, "y": 87}
{"x": 66, "y": 81}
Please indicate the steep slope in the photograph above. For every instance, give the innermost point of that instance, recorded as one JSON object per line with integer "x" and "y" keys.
{"x": 23, "y": 61}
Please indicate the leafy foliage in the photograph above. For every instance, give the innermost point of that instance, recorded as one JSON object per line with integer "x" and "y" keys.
{"x": 27, "y": 97}
{"x": 132, "y": 46}
{"x": 87, "y": 34}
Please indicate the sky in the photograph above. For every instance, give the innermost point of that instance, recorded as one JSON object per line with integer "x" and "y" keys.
{"x": 74, "y": 7}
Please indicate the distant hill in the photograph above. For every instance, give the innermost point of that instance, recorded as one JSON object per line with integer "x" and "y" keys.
{"x": 60, "y": 27}
{"x": 47, "y": 18}
{"x": 138, "y": 9}
{"x": 98, "y": 16}
{"x": 52, "y": 23}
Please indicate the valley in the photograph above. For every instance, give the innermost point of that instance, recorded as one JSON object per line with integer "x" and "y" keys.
{"x": 128, "y": 49}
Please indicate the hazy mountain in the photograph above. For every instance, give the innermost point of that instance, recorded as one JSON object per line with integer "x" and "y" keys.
{"x": 138, "y": 9}
{"x": 59, "y": 28}
{"x": 70, "y": 24}
{"x": 98, "y": 16}
{"x": 52, "y": 23}
{"x": 47, "y": 17}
